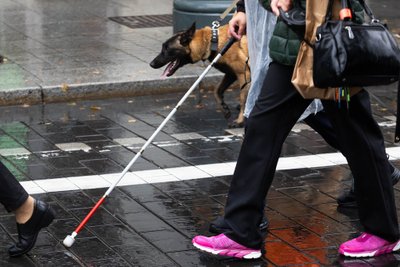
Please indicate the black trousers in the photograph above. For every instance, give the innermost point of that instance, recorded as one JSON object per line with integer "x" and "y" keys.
{"x": 358, "y": 135}
{"x": 322, "y": 125}
{"x": 12, "y": 194}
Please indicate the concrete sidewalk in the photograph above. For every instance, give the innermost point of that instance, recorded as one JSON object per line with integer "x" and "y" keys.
{"x": 63, "y": 50}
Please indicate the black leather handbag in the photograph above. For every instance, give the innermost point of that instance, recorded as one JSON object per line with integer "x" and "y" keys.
{"x": 348, "y": 54}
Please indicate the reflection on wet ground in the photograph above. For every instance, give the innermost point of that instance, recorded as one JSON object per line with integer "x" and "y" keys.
{"x": 68, "y": 153}
{"x": 151, "y": 223}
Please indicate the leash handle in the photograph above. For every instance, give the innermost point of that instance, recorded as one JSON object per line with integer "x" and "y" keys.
{"x": 227, "y": 45}
{"x": 228, "y": 10}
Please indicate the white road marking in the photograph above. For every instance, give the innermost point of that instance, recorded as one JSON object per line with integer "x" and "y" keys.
{"x": 182, "y": 173}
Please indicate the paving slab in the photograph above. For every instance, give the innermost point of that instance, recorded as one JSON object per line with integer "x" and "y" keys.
{"x": 69, "y": 153}
{"x": 66, "y": 151}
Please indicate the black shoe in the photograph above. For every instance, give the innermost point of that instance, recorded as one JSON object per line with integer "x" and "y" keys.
{"x": 348, "y": 199}
{"x": 42, "y": 216}
{"x": 218, "y": 226}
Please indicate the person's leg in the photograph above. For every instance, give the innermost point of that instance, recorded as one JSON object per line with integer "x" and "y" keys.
{"x": 12, "y": 194}
{"x": 219, "y": 226}
{"x": 258, "y": 46}
{"x": 348, "y": 198}
{"x": 31, "y": 215}
{"x": 276, "y": 111}
{"x": 321, "y": 124}
{"x": 363, "y": 145}
{"x": 25, "y": 211}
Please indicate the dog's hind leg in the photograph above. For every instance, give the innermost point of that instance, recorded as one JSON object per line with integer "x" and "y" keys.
{"x": 219, "y": 93}
{"x": 239, "y": 121}
{"x": 244, "y": 91}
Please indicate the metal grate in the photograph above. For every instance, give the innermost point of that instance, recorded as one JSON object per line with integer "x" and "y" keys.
{"x": 148, "y": 21}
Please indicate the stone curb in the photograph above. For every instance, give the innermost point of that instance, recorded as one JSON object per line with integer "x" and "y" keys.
{"x": 65, "y": 93}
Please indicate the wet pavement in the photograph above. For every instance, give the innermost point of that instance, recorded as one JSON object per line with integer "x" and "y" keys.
{"x": 69, "y": 153}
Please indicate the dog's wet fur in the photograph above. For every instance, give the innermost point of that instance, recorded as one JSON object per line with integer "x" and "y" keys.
{"x": 191, "y": 46}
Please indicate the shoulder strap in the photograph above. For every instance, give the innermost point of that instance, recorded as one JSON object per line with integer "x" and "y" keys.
{"x": 328, "y": 15}
{"x": 367, "y": 10}
{"x": 397, "y": 132}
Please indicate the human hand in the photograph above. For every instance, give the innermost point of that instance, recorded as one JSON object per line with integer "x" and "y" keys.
{"x": 237, "y": 25}
{"x": 284, "y": 4}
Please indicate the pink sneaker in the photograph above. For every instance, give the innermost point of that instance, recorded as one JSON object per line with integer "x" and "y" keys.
{"x": 222, "y": 245}
{"x": 367, "y": 245}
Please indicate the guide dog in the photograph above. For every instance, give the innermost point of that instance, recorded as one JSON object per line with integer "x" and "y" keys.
{"x": 191, "y": 46}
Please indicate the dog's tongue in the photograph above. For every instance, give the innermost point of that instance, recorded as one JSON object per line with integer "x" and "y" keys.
{"x": 167, "y": 70}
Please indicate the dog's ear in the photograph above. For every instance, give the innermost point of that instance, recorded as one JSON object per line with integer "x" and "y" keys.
{"x": 187, "y": 36}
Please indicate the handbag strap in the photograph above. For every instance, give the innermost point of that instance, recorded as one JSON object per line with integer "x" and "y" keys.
{"x": 345, "y": 11}
{"x": 397, "y": 132}
{"x": 328, "y": 14}
{"x": 368, "y": 10}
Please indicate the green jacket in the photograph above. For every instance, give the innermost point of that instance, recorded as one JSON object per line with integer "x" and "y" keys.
{"x": 285, "y": 43}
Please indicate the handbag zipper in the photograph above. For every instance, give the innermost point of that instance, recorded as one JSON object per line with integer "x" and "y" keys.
{"x": 349, "y": 32}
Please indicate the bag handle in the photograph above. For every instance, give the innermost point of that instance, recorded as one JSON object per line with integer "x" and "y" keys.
{"x": 328, "y": 14}
{"x": 368, "y": 11}
{"x": 397, "y": 131}
{"x": 344, "y": 14}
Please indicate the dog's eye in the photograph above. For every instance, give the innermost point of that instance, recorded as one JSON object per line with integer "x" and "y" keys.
{"x": 165, "y": 49}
